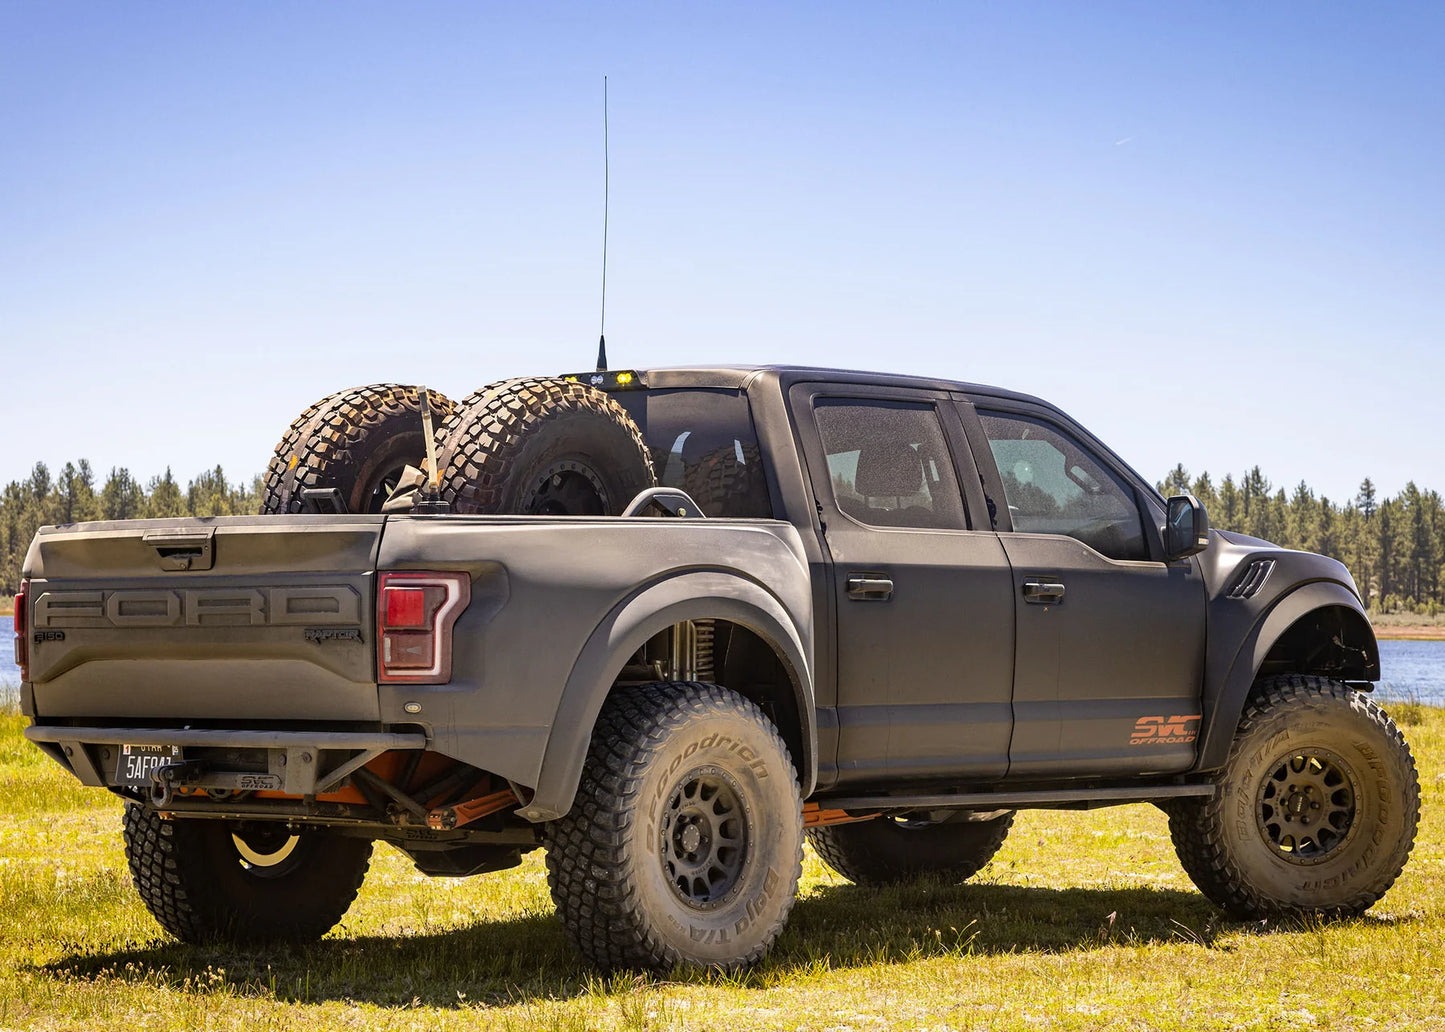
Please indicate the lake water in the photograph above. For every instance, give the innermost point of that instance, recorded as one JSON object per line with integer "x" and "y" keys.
{"x": 1412, "y": 669}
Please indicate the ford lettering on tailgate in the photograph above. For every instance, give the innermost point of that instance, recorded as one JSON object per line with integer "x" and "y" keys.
{"x": 311, "y": 606}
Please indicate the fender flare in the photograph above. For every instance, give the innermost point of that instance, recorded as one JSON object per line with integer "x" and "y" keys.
{"x": 1224, "y": 705}
{"x": 696, "y": 595}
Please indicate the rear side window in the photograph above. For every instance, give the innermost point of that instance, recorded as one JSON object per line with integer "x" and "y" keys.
{"x": 1055, "y": 485}
{"x": 703, "y": 442}
{"x": 889, "y": 463}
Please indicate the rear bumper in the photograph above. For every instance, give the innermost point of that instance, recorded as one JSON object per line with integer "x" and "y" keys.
{"x": 308, "y": 762}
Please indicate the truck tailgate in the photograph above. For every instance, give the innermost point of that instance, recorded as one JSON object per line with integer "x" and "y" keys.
{"x": 205, "y": 619}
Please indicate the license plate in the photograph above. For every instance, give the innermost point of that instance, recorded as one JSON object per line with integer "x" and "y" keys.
{"x": 139, "y": 762}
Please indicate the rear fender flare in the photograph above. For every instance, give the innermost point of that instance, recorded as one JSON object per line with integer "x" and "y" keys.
{"x": 1224, "y": 704}
{"x": 698, "y": 595}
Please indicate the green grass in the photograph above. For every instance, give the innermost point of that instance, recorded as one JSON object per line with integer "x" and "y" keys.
{"x": 1418, "y": 626}
{"x": 1083, "y": 921}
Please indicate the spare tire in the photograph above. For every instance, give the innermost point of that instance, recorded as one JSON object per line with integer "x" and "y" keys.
{"x": 357, "y": 441}
{"x": 543, "y": 447}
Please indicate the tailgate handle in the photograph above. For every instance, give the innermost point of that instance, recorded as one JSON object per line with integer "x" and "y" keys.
{"x": 180, "y": 550}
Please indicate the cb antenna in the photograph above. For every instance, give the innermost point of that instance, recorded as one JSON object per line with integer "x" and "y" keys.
{"x": 602, "y": 330}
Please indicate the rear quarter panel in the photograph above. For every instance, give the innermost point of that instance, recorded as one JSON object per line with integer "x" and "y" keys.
{"x": 542, "y": 589}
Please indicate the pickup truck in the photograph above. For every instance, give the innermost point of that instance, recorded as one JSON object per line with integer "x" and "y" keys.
{"x": 879, "y": 612}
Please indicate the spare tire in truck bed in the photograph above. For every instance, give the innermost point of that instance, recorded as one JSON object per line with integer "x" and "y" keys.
{"x": 357, "y": 441}
{"x": 544, "y": 447}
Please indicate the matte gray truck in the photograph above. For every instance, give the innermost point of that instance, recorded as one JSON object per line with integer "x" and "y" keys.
{"x": 881, "y": 612}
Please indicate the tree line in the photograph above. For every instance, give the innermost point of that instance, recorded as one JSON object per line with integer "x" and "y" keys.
{"x": 1395, "y": 547}
{"x": 73, "y": 496}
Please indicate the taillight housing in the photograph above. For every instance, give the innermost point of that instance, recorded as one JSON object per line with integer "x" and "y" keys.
{"x": 415, "y": 612}
{"x": 22, "y": 631}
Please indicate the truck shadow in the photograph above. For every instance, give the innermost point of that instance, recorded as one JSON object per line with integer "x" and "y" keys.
{"x": 526, "y": 959}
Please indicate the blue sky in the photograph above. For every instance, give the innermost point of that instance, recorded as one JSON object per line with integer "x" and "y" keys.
{"x": 1213, "y": 233}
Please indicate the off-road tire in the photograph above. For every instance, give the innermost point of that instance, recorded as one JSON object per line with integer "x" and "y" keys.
{"x": 1305, "y": 747}
{"x": 192, "y": 878}
{"x": 891, "y": 851}
{"x": 356, "y": 441}
{"x": 542, "y": 447}
{"x": 665, "y": 760}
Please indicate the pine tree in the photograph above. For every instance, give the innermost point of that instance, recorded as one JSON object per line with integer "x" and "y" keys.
{"x": 165, "y": 497}
{"x": 121, "y": 498}
{"x": 1176, "y": 483}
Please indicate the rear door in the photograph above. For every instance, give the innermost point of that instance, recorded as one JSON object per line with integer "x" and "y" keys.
{"x": 1109, "y": 653}
{"x": 924, "y": 625}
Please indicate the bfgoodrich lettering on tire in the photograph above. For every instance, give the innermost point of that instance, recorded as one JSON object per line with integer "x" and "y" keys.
{"x": 1316, "y": 811}
{"x": 685, "y": 843}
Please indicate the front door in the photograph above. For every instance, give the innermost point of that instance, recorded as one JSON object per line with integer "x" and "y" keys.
{"x": 1109, "y": 656}
{"x": 924, "y": 627}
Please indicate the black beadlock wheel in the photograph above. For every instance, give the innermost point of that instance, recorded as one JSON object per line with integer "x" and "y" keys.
{"x": 212, "y": 880}
{"x": 545, "y": 447}
{"x": 891, "y": 850}
{"x": 357, "y": 441}
{"x": 1316, "y": 809}
{"x": 685, "y": 843}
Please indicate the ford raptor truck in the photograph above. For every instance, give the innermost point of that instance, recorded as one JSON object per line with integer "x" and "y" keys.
{"x": 878, "y": 612}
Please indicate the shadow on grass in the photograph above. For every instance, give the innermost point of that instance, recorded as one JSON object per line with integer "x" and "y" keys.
{"x": 527, "y": 959}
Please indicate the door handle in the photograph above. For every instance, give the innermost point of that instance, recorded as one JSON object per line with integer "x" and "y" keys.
{"x": 869, "y": 587}
{"x": 1043, "y": 592}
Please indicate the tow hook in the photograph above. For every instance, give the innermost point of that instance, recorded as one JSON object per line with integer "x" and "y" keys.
{"x": 170, "y": 775}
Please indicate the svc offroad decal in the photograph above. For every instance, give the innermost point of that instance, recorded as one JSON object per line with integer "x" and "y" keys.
{"x": 1176, "y": 730}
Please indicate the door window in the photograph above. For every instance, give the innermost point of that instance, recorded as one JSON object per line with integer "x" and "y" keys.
{"x": 1054, "y": 485}
{"x": 889, "y": 464}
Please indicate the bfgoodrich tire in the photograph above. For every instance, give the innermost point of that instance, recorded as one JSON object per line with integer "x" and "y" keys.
{"x": 685, "y": 843}
{"x": 545, "y": 447}
{"x": 892, "y": 850}
{"x": 357, "y": 441}
{"x": 1316, "y": 810}
{"x": 212, "y": 880}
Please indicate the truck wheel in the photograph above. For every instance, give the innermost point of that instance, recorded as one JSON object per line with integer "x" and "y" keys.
{"x": 685, "y": 843}
{"x": 1316, "y": 809}
{"x": 210, "y": 880}
{"x": 890, "y": 850}
{"x": 545, "y": 447}
{"x": 357, "y": 441}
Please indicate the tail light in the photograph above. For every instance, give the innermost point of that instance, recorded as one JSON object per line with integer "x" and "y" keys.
{"x": 415, "y": 612}
{"x": 22, "y": 631}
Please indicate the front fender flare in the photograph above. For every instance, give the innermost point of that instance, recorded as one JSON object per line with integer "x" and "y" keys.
{"x": 1225, "y": 698}
{"x": 696, "y": 595}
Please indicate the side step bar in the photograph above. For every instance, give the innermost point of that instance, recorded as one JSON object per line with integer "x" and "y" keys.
{"x": 1058, "y": 798}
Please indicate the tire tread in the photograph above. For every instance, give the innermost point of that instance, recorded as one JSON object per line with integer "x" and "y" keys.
{"x": 1197, "y": 825}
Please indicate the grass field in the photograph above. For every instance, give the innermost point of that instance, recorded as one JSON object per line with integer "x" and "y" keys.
{"x": 1409, "y": 626}
{"x": 1083, "y": 921}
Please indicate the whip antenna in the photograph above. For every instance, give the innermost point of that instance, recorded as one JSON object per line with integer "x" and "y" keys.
{"x": 602, "y": 330}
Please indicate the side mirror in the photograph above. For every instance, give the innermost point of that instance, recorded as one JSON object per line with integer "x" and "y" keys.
{"x": 1186, "y": 527}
